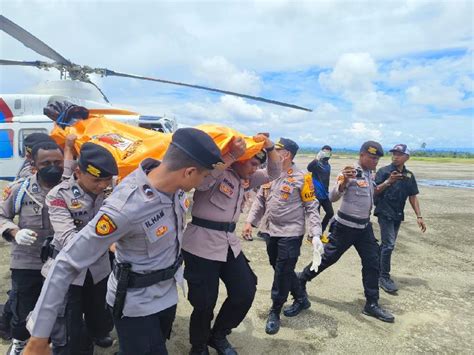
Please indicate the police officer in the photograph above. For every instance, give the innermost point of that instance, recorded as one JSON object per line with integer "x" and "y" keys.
{"x": 212, "y": 251}
{"x": 286, "y": 204}
{"x": 352, "y": 227}
{"x": 27, "y": 169}
{"x": 30, "y": 141}
{"x": 72, "y": 204}
{"x": 26, "y": 198}
{"x": 395, "y": 183}
{"x": 145, "y": 217}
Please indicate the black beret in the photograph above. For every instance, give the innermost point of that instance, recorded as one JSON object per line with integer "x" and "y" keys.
{"x": 97, "y": 161}
{"x": 372, "y": 147}
{"x": 287, "y": 144}
{"x": 35, "y": 138}
{"x": 199, "y": 146}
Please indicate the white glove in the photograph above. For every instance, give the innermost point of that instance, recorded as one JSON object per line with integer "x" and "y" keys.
{"x": 25, "y": 237}
{"x": 318, "y": 251}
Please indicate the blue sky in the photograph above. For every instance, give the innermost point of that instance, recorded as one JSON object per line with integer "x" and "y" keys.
{"x": 401, "y": 72}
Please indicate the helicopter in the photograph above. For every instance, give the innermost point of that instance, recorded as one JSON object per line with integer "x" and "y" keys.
{"x": 22, "y": 114}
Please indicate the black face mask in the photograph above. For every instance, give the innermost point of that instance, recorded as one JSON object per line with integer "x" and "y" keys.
{"x": 51, "y": 174}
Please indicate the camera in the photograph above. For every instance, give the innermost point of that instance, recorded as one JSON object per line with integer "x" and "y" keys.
{"x": 358, "y": 173}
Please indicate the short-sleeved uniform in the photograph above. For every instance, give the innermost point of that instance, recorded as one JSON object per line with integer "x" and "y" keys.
{"x": 352, "y": 227}
{"x": 70, "y": 209}
{"x": 147, "y": 227}
{"x": 389, "y": 206}
{"x": 212, "y": 251}
{"x": 25, "y": 198}
{"x": 285, "y": 205}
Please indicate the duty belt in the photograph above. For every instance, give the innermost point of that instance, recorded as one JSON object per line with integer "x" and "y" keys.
{"x": 126, "y": 279}
{"x": 138, "y": 280}
{"x": 353, "y": 219}
{"x": 218, "y": 226}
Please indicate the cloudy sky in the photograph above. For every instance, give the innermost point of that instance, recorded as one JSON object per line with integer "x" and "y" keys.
{"x": 397, "y": 72}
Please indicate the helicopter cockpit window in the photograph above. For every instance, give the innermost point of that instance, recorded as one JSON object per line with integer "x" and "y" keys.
{"x": 25, "y": 133}
{"x": 6, "y": 143}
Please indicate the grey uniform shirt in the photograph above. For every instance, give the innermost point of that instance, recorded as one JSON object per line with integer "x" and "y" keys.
{"x": 219, "y": 199}
{"x": 357, "y": 198}
{"x": 33, "y": 214}
{"x": 70, "y": 209}
{"x": 27, "y": 169}
{"x": 285, "y": 205}
{"x": 146, "y": 226}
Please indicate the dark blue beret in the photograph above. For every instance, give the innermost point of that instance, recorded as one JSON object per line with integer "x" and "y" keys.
{"x": 287, "y": 144}
{"x": 372, "y": 147}
{"x": 198, "y": 145}
{"x": 97, "y": 161}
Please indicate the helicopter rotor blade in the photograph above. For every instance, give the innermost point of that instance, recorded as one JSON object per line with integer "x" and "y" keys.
{"x": 31, "y": 41}
{"x": 35, "y": 63}
{"x": 98, "y": 88}
{"x": 108, "y": 72}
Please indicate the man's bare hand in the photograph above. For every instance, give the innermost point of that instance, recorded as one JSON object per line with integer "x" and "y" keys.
{"x": 394, "y": 177}
{"x": 247, "y": 231}
{"x": 349, "y": 172}
{"x": 70, "y": 140}
{"x": 237, "y": 147}
{"x": 37, "y": 346}
{"x": 421, "y": 224}
{"x": 264, "y": 137}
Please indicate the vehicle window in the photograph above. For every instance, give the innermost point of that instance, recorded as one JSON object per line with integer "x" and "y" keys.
{"x": 6, "y": 143}
{"x": 25, "y": 132}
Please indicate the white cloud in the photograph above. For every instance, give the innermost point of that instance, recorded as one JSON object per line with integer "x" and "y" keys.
{"x": 362, "y": 131}
{"x": 434, "y": 93}
{"x": 353, "y": 73}
{"x": 219, "y": 72}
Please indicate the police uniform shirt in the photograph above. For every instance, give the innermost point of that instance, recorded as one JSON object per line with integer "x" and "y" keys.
{"x": 219, "y": 199}
{"x": 146, "y": 226}
{"x": 357, "y": 197}
{"x": 70, "y": 209}
{"x": 391, "y": 202}
{"x": 285, "y": 204}
{"x": 33, "y": 214}
{"x": 27, "y": 169}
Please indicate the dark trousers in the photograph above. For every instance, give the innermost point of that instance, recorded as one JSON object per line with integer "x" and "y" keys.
{"x": 203, "y": 277}
{"x": 329, "y": 212}
{"x": 26, "y": 288}
{"x": 85, "y": 316}
{"x": 389, "y": 232}
{"x": 341, "y": 239}
{"x": 283, "y": 253}
{"x": 145, "y": 335}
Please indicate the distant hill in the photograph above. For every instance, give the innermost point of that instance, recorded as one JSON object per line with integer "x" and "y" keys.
{"x": 438, "y": 152}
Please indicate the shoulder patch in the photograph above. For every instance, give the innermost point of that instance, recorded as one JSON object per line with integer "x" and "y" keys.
{"x": 105, "y": 225}
{"x": 307, "y": 191}
{"x": 58, "y": 202}
{"x": 7, "y": 191}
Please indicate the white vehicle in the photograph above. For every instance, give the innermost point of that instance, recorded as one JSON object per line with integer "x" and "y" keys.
{"x": 21, "y": 115}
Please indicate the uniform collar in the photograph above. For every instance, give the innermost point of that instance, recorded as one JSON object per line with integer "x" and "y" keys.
{"x": 35, "y": 187}
{"x": 290, "y": 171}
{"x": 144, "y": 184}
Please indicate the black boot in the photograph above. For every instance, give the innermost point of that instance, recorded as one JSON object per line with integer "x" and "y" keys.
{"x": 297, "y": 306}
{"x": 302, "y": 280}
{"x": 273, "y": 322}
{"x": 104, "y": 342}
{"x": 219, "y": 342}
{"x": 374, "y": 310}
{"x": 199, "y": 350}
